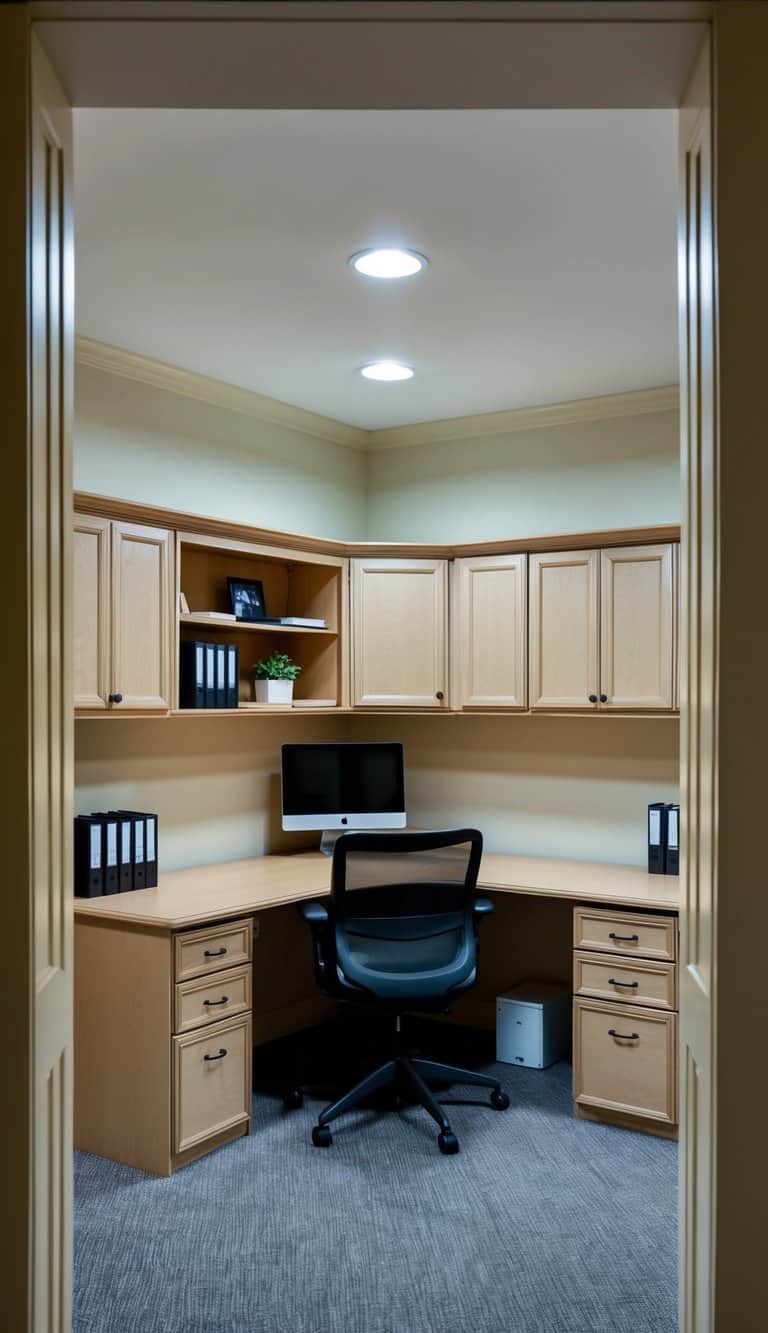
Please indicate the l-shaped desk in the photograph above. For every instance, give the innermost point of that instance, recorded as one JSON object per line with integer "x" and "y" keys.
{"x": 175, "y": 985}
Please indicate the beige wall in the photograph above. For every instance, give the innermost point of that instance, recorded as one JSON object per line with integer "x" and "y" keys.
{"x": 619, "y": 473}
{"x": 213, "y": 781}
{"x": 540, "y": 786}
{"x": 139, "y": 442}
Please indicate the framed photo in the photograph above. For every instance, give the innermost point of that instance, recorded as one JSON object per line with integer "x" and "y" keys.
{"x": 246, "y": 598}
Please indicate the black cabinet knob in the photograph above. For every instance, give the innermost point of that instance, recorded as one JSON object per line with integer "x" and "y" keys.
{"x": 593, "y": 698}
{"x": 115, "y": 698}
{"x": 439, "y": 695}
{"x": 603, "y": 698}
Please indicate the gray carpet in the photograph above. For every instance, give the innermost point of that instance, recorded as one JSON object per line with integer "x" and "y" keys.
{"x": 541, "y": 1224}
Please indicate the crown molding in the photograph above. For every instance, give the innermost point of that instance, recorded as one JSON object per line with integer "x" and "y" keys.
{"x": 133, "y": 366}
{"x": 144, "y": 369}
{"x": 641, "y": 402}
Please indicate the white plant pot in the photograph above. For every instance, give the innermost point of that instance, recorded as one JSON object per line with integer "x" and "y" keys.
{"x": 273, "y": 691}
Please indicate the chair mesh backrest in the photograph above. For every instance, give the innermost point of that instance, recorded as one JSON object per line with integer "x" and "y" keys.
{"x": 403, "y": 906}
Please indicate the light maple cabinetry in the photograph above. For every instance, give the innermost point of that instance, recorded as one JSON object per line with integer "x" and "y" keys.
{"x": 637, "y": 627}
{"x": 123, "y": 615}
{"x": 602, "y": 629}
{"x": 563, "y": 629}
{"x": 489, "y": 635}
{"x": 399, "y": 633}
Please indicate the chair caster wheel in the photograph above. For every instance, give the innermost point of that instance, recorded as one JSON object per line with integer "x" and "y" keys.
{"x": 293, "y": 1100}
{"x": 447, "y": 1142}
{"x": 321, "y": 1136}
{"x": 499, "y": 1100}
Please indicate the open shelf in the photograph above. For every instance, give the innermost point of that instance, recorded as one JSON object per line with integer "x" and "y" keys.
{"x": 294, "y": 583}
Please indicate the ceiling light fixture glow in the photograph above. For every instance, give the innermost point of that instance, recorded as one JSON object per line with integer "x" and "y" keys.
{"x": 387, "y": 371}
{"x": 390, "y": 263}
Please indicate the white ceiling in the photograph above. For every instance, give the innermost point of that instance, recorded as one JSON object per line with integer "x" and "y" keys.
{"x": 217, "y": 241}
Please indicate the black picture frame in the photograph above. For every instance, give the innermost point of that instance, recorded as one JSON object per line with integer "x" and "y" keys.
{"x": 246, "y": 597}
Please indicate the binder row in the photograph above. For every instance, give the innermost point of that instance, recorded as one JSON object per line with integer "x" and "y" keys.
{"x": 209, "y": 675}
{"x": 663, "y": 839}
{"x": 115, "y": 852}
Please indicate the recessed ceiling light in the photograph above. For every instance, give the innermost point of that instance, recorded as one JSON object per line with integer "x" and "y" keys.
{"x": 387, "y": 371}
{"x": 388, "y": 263}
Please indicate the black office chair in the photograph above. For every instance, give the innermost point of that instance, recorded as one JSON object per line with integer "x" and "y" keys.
{"x": 400, "y": 934}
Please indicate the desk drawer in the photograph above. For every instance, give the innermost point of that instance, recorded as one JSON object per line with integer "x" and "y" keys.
{"x": 211, "y": 1081}
{"x": 624, "y": 1059}
{"x": 629, "y": 933}
{"x": 633, "y": 981}
{"x": 198, "y": 952}
{"x": 207, "y": 999}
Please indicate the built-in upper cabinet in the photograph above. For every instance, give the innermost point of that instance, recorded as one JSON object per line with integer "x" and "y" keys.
{"x": 602, "y": 630}
{"x": 489, "y": 615}
{"x": 399, "y": 633}
{"x": 123, "y": 615}
{"x": 563, "y": 638}
{"x": 637, "y": 631}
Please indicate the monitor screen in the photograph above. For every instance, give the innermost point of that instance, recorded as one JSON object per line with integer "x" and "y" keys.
{"x": 341, "y": 786}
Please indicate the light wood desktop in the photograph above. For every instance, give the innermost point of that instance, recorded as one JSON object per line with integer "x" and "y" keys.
{"x": 216, "y": 959}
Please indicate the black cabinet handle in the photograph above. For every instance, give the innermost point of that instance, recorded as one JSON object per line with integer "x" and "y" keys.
{"x": 622, "y": 1036}
{"x": 439, "y": 695}
{"x": 630, "y": 985}
{"x": 632, "y": 938}
{"x": 225, "y": 998}
{"x": 115, "y": 698}
{"x": 214, "y": 953}
{"x": 220, "y": 1055}
{"x": 593, "y": 698}
{"x": 603, "y": 698}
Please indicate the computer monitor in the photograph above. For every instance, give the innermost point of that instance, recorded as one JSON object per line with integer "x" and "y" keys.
{"x": 343, "y": 786}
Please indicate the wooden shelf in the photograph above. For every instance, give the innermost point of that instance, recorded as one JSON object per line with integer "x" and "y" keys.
{"x": 257, "y": 627}
{"x": 254, "y": 710}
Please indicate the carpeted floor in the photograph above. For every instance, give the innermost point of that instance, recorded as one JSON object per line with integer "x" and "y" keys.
{"x": 541, "y": 1224}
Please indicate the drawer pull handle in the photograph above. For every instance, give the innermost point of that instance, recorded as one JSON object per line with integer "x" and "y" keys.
{"x": 223, "y": 1000}
{"x": 632, "y": 938}
{"x": 216, "y": 953}
{"x": 220, "y": 1055}
{"x": 630, "y": 985}
{"x": 622, "y": 1036}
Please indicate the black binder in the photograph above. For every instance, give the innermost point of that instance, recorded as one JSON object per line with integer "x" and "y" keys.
{"x": 124, "y": 851}
{"x": 149, "y": 823}
{"x": 108, "y": 824}
{"x": 221, "y": 675}
{"x": 657, "y": 837}
{"x": 138, "y": 840}
{"x": 192, "y": 675}
{"x": 210, "y": 675}
{"x": 89, "y": 874}
{"x": 233, "y": 675}
{"x": 672, "y": 856}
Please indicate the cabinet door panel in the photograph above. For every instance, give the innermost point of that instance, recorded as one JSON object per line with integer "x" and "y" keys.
{"x": 399, "y": 633}
{"x": 91, "y": 611}
{"x": 563, "y": 629}
{"x": 141, "y": 616}
{"x": 637, "y": 628}
{"x": 490, "y": 626}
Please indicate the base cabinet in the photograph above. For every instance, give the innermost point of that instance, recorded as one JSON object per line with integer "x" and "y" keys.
{"x": 625, "y": 1018}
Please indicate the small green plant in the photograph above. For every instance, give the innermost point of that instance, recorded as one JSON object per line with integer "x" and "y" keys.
{"x": 278, "y": 666}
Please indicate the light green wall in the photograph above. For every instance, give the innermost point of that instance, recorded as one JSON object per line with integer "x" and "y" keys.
{"x": 619, "y": 473}
{"x": 567, "y": 787}
{"x": 148, "y": 444}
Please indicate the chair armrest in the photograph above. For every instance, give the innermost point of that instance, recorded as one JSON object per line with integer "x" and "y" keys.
{"x": 482, "y": 907}
{"x": 315, "y": 913}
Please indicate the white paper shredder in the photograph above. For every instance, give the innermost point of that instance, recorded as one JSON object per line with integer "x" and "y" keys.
{"x": 533, "y": 1024}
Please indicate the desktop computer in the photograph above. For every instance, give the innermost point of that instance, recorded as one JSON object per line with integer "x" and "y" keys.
{"x": 335, "y": 788}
